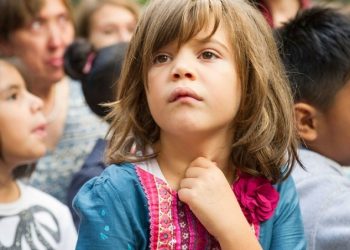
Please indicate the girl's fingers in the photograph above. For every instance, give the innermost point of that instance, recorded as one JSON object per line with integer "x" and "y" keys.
{"x": 194, "y": 172}
{"x": 199, "y": 166}
{"x": 202, "y": 162}
{"x": 188, "y": 183}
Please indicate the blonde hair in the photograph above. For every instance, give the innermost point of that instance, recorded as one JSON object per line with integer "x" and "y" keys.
{"x": 87, "y": 8}
{"x": 264, "y": 141}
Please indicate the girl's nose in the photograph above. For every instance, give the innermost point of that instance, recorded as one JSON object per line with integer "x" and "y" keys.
{"x": 179, "y": 75}
{"x": 183, "y": 69}
{"x": 124, "y": 35}
{"x": 36, "y": 104}
{"x": 55, "y": 37}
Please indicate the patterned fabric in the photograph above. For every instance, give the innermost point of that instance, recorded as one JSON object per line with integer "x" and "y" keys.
{"x": 36, "y": 221}
{"x": 173, "y": 225}
{"x": 81, "y": 130}
{"x": 117, "y": 212}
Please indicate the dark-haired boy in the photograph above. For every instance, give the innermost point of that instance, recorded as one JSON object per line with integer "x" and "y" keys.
{"x": 315, "y": 48}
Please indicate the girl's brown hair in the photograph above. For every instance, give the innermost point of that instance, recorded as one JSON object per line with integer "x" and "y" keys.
{"x": 15, "y": 14}
{"x": 264, "y": 141}
{"x": 87, "y": 8}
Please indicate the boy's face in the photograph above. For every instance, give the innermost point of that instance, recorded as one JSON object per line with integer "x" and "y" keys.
{"x": 41, "y": 44}
{"x": 195, "y": 89}
{"x": 22, "y": 123}
{"x": 334, "y": 128}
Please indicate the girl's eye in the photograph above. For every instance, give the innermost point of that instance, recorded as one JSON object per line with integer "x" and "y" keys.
{"x": 207, "y": 55}
{"x": 108, "y": 31}
{"x": 162, "y": 58}
{"x": 12, "y": 97}
{"x": 36, "y": 25}
{"x": 63, "y": 19}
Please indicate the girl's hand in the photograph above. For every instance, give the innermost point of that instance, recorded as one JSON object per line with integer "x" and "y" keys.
{"x": 209, "y": 195}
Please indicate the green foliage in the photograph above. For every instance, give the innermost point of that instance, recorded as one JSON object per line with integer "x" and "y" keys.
{"x": 143, "y": 2}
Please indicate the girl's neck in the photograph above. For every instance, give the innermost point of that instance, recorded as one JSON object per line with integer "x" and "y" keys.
{"x": 176, "y": 154}
{"x": 9, "y": 190}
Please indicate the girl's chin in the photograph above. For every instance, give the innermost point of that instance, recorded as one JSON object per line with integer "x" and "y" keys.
{"x": 37, "y": 153}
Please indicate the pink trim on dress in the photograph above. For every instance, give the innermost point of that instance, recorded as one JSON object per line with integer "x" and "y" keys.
{"x": 173, "y": 226}
{"x": 159, "y": 198}
{"x": 147, "y": 183}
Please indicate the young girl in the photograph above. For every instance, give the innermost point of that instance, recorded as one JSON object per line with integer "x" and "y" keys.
{"x": 29, "y": 219}
{"x": 204, "y": 118}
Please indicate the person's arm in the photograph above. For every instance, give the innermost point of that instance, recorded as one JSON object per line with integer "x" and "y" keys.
{"x": 210, "y": 197}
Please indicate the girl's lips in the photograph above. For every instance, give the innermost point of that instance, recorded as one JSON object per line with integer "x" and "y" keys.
{"x": 183, "y": 92}
{"x": 56, "y": 62}
{"x": 40, "y": 130}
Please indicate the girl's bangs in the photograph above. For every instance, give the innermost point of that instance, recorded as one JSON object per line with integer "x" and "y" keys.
{"x": 188, "y": 19}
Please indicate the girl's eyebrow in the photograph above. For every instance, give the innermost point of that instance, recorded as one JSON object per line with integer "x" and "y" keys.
{"x": 12, "y": 86}
{"x": 198, "y": 41}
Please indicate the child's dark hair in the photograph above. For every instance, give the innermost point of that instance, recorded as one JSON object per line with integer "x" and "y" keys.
{"x": 315, "y": 49}
{"x": 98, "y": 71}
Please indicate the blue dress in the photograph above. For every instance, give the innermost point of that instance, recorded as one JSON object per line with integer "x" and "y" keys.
{"x": 118, "y": 210}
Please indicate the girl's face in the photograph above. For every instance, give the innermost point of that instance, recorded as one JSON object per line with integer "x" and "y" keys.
{"x": 41, "y": 44}
{"x": 195, "y": 88}
{"x": 111, "y": 24}
{"x": 22, "y": 123}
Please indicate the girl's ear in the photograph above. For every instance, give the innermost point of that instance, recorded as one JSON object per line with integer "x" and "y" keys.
{"x": 306, "y": 121}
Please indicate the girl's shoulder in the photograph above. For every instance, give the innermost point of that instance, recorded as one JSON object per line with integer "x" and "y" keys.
{"x": 288, "y": 196}
{"x": 116, "y": 180}
{"x": 284, "y": 230}
{"x": 113, "y": 210}
{"x": 115, "y": 177}
{"x": 286, "y": 187}
{"x": 119, "y": 171}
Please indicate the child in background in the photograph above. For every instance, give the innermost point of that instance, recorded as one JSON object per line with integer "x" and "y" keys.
{"x": 315, "y": 48}
{"x": 200, "y": 132}
{"x": 106, "y": 22}
{"x": 98, "y": 72}
{"x": 29, "y": 218}
{"x": 37, "y": 33}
